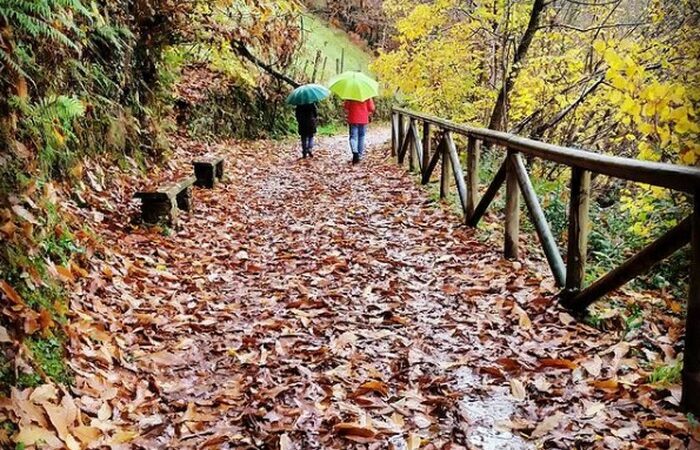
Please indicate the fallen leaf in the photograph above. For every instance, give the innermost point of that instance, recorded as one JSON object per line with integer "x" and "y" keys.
{"x": 354, "y": 430}
{"x": 24, "y": 214}
{"x": 373, "y": 386}
{"x": 65, "y": 273}
{"x": 546, "y": 425}
{"x": 557, "y": 363}
{"x": 285, "y": 442}
{"x": 86, "y": 434}
{"x": 59, "y": 419}
{"x": 606, "y": 385}
{"x": 33, "y": 435}
{"x": 593, "y": 366}
{"x": 10, "y": 292}
{"x": 414, "y": 441}
{"x": 4, "y": 336}
{"x": 517, "y": 389}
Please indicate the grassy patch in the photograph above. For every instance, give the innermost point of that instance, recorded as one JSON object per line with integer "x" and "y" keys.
{"x": 331, "y": 129}
{"x": 332, "y": 42}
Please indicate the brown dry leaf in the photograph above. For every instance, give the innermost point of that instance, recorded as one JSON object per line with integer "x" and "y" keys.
{"x": 594, "y": 408}
{"x": 8, "y": 229}
{"x": 79, "y": 271}
{"x": 4, "y": 336}
{"x": 355, "y": 431}
{"x": 286, "y": 443}
{"x": 523, "y": 319}
{"x": 547, "y": 425}
{"x": 24, "y": 214}
{"x": 72, "y": 443}
{"x": 86, "y": 434}
{"x": 666, "y": 425}
{"x": 566, "y": 319}
{"x": 105, "y": 412}
{"x": 124, "y": 436}
{"x": 44, "y": 393}
{"x": 191, "y": 415}
{"x": 414, "y": 441}
{"x": 33, "y": 435}
{"x": 59, "y": 418}
{"x": 517, "y": 389}
{"x": 593, "y": 366}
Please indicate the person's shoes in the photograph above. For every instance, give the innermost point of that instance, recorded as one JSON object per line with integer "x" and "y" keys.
{"x": 311, "y": 155}
{"x": 303, "y": 154}
{"x": 355, "y": 158}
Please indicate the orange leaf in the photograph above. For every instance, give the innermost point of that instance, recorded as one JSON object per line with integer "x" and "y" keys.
{"x": 373, "y": 386}
{"x": 79, "y": 271}
{"x": 558, "y": 363}
{"x": 606, "y": 385}
{"x": 65, "y": 273}
{"x": 31, "y": 322}
{"x": 45, "y": 319}
{"x": 8, "y": 229}
{"x": 10, "y": 292}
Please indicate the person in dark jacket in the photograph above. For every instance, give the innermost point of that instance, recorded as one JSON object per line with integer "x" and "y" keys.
{"x": 307, "y": 118}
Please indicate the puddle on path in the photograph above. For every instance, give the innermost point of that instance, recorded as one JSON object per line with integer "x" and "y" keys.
{"x": 485, "y": 414}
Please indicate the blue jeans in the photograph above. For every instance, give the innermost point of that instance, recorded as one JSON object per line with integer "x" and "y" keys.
{"x": 307, "y": 143}
{"x": 357, "y": 138}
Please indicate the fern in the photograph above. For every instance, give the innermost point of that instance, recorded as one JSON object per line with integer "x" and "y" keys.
{"x": 49, "y": 125}
{"x": 39, "y": 20}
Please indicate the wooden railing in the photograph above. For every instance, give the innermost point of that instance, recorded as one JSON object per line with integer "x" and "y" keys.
{"x": 408, "y": 142}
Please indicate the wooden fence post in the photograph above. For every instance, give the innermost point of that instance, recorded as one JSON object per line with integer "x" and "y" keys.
{"x": 317, "y": 61}
{"x": 445, "y": 169}
{"x": 342, "y": 60}
{"x": 401, "y": 135}
{"x": 691, "y": 359}
{"x": 393, "y": 133}
{"x": 473, "y": 149}
{"x": 426, "y": 147}
{"x": 412, "y": 150}
{"x": 578, "y": 230}
{"x": 512, "y": 231}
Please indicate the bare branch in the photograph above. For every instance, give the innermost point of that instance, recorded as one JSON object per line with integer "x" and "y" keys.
{"x": 596, "y": 28}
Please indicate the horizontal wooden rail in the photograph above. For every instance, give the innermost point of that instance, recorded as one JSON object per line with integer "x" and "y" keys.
{"x": 513, "y": 173}
{"x": 671, "y": 176}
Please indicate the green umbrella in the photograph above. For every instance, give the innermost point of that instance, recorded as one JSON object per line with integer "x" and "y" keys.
{"x": 307, "y": 94}
{"x": 354, "y": 86}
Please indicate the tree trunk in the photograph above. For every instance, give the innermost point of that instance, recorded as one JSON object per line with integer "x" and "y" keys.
{"x": 498, "y": 113}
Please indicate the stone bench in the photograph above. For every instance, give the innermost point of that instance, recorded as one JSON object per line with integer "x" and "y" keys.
{"x": 163, "y": 204}
{"x": 208, "y": 170}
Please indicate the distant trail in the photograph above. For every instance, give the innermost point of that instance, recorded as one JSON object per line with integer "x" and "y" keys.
{"x": 315, "y": 304}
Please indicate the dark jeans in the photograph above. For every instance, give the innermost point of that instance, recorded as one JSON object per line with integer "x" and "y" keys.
{"x": 307, "y": 143}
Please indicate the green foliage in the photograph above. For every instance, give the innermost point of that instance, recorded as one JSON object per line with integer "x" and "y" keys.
{"x": 48, "y": 124}
{"x": 667, "y": 374}
{"x": 48, "y": 355}
{"x": 40, "y": 19}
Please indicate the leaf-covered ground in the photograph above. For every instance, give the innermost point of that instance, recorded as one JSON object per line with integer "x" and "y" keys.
{"x": 313, "y": 304}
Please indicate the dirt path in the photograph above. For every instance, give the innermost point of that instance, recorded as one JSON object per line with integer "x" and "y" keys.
{"x": 314, "y": 304}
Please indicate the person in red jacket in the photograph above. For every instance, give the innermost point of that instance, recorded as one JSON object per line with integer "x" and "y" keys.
{"x": 359, "y": 115}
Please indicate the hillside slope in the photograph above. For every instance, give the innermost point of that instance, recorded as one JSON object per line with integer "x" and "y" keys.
{"x": 334, "y": 44}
